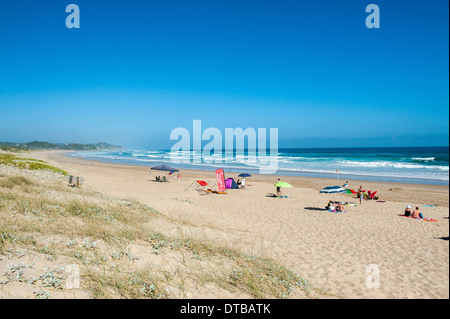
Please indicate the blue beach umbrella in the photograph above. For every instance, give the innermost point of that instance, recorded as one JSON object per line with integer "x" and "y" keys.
{"x": 333, "y": 190}
{"x": 244, "y": 175}
{"x": 164, "y": 168}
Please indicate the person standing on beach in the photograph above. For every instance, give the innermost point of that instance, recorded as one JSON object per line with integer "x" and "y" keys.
{"x": 360, "y": 194}
{"x": 278, "y": 189}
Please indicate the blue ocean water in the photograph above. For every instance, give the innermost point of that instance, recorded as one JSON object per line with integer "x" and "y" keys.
{"x": 421, "y": 165}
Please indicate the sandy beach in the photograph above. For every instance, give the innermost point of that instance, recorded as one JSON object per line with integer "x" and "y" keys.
{"x": 334, "y": 251}
{"x": 326, "y": 94}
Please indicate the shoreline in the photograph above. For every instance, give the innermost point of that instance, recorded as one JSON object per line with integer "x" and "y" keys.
{"x": 392, "y": 191}
{"x": 363, "y": 177}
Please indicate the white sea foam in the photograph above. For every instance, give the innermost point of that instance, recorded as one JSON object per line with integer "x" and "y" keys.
{"x": 391, "y": 165}
{"x": 424, "y": 159}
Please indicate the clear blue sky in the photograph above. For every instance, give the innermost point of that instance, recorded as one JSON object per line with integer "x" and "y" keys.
{"x": 135, "y": 70}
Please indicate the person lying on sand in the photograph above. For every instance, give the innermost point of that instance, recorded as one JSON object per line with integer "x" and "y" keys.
{"x": 335, "y": 206}
{"x": 340, "y": 207}
{"x": 416, "y": 213}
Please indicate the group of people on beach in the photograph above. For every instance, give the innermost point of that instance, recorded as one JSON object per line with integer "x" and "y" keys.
{"x": 413, "y": 213}
{"x": 409, "y": 212}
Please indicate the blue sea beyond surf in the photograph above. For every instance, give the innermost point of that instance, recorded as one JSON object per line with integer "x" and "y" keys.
{"x": 420, "y": 165}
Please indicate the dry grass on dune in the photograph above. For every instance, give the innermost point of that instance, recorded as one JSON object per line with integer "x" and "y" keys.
{"x": 46, "y": 226}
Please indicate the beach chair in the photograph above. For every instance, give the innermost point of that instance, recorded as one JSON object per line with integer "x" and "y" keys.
{"x": 164, "y": 179}
{"x": 200, "y": 185}
{"x": 75, "y": 181}
{"x": 372, "y": 195}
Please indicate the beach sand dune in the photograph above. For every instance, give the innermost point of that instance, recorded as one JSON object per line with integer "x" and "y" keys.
{"x": 338, "y": 252}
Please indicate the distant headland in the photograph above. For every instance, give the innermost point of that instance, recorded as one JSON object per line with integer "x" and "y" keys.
{"x": 6, "y": 146}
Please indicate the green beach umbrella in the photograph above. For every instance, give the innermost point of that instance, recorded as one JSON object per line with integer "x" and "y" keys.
{"x": 282, "y": 184}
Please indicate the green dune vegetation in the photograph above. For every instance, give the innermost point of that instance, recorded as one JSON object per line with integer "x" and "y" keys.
{"x": 28, "y": 163}
{"x": 13, "y": 149}
{"x": 117, "y": 246}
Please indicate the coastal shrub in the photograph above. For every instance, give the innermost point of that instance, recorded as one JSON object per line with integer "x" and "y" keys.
{"x": 29, "y": 163}
{"x": 140, "y": 284}
{"x": 14, "y": 149}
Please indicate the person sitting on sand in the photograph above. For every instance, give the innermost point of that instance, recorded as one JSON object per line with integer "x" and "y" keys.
{"x": 408, "y": 210}
{"x": 416, "y": 213}
{"x": 238, "y": 182}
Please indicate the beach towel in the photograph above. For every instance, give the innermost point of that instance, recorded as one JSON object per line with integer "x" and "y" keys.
{"x": 335, "y": 211}
{"x": 214, "y": 192}
{"x": 424, "y": 219}
{"x": 428, "y": 205}
{"x": 275, "y": 196}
